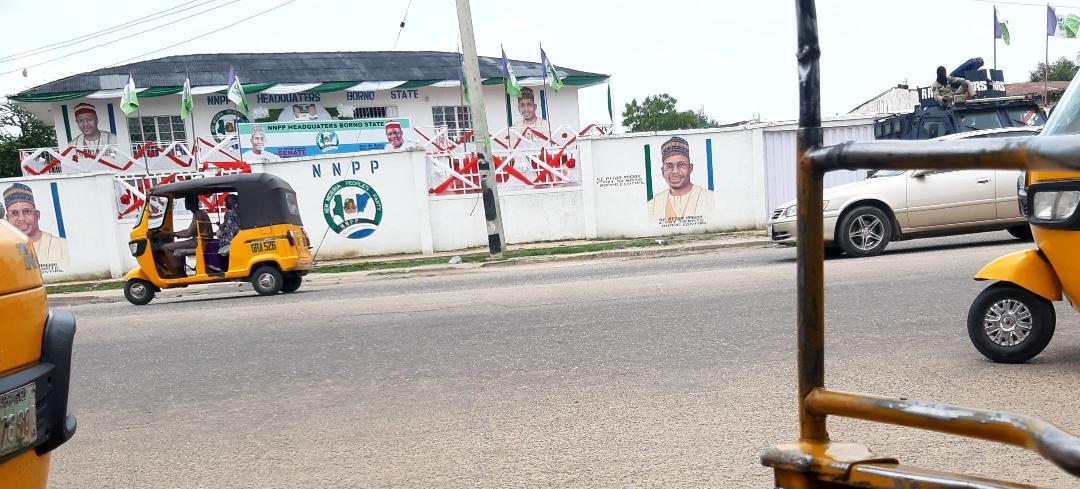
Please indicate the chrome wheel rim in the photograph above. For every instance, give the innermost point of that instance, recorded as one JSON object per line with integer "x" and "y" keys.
{"x": 1007, "y": 322}
{"x": 138, "y": 290}
{"x": 866, "y": 232}
{"x": 266, "y": 281}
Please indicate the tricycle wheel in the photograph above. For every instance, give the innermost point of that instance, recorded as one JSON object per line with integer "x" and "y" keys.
{"x": 292, "y": 283}
{"x": 1009, "y": 324}
{"x": 139, "y": 292}
{"x": 267, "y": 280}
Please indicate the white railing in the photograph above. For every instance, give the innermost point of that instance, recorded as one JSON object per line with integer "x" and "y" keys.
{"x": 524, "y": 158}
{"x": 146, "y": 158}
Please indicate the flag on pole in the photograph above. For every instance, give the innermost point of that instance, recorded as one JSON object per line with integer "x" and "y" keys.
{"x": 186, "y": 102}
{"x": 550, "y": 71}
{"x": 610, "y": 113}
{"x": 461, "y": 78}
{"x": 129, "y": 100}
{"x": 509, "y": 80}
{"x": 236, "y": 92}
{"x": 1051, "y": 21}
{"x": 1067, "y": 26}
{"x": 1001, "y": 29}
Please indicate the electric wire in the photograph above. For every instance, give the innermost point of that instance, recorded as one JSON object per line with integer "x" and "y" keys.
{"x": 108, "y": 30}
{"x": 73, "y": 53}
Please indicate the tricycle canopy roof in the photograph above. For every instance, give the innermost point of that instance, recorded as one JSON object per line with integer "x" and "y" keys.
{"x": 264, "y": 199}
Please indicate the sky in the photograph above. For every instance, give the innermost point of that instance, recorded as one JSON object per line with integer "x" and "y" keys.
{"x": 734, "y": 59}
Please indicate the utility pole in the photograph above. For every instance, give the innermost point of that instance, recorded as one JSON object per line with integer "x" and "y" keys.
{"x": 481, "y": 135}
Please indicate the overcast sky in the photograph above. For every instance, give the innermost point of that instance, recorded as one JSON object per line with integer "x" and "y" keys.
{"x": 734, "y": 58}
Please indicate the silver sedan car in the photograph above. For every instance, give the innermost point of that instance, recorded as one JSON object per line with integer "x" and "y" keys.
{"x": 861, "y": 218}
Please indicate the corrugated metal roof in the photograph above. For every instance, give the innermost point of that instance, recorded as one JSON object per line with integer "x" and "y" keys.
{"x": 213, "y": 69}
{"x": 1025, "y": 88}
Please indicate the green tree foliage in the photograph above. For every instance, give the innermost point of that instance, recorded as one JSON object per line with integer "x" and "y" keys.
{"x": 1061, "y": 70}
{"x": 20, "y": 129}
{"x": 658, "y": 113}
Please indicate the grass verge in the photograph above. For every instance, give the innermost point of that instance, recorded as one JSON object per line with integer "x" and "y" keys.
{"x": 416, "y": 262}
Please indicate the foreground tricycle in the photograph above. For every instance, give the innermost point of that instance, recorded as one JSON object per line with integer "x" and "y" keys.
{"x": 816, "y": 461}
{"x": 1014, "y": 319}
{"x": 260, "y": 237}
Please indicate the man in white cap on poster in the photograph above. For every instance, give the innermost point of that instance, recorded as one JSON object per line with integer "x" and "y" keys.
{"x": 258, "y": 153}
{"x": 86, "y": 118}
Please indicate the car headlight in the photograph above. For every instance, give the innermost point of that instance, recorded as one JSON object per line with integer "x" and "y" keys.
{"x": 1055, "y": 206}
{"x": 133, "y": 246}
{"x": 791, "y": 211}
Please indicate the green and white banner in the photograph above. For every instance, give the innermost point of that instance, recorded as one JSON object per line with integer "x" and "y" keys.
{"x": 274, "y": 141}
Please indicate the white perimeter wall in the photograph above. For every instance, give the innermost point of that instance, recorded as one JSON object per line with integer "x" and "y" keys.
{"x": 752, "y": 170}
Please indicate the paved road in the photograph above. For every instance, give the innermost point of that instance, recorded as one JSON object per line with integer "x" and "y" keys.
{"x": 644, "y": 372}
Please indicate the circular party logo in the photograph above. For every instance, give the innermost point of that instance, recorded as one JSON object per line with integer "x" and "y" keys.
{"x": 352, "y": 209}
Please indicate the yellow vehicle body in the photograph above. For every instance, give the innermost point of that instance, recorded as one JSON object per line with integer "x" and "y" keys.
{"x": 270, "y": 248}
{"x": 1026, "y": 268}
{"x": 35, "y": 355}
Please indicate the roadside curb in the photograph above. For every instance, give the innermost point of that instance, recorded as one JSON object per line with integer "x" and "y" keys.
{"x": 649, "y": 251}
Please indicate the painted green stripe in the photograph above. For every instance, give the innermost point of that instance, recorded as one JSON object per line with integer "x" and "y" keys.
{"x": 67, "y": 123}
{"x": 585, "y": 81}
{"x": 254, "y": 87}
{"x": 160, "y": 91}
{"x": 332, "y": 87}
{"x": 417, "y": 83}
{"x": 648, "y": 173}
{"x": 51, "y": 97}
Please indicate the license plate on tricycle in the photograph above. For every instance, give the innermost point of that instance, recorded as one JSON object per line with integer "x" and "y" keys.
{"x": 18, "y": 419}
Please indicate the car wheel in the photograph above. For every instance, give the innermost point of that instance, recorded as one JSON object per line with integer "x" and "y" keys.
{"x": 1022, "y": 232}
{"x": 864, "y": 231}
{"x": 1009, "y": 324}
{"x": 292, "y": 283}
{"x": 138, "y": 291}
{"x": 267, "y": 280}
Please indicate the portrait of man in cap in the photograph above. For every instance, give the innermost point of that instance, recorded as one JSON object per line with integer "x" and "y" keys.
{"x": 395, "y": 136}
{"x": 527, "y": 108}
{"x": 86, "y": 118}
{"x": 22, "y": 213}
{"x": 258, "y": 153}
{"x": 682, "y": 198}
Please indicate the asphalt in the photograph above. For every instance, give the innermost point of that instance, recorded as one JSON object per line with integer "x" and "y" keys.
{"x": 658, "y": 371}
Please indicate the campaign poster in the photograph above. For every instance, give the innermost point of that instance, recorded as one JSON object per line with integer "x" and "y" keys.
{"x": 91, "y": 126}
{"x": 34, "y": 209}
{"x": 275, "y": 141}
{"x": 679, "y": 183}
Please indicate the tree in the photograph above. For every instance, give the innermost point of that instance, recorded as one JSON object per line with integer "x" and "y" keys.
{"x": 658, "y": 113}
{"x": 20, "y": 129}
{"x": 1061, "y": 70}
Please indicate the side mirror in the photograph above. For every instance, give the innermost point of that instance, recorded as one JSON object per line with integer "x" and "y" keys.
{"x": 921, "y": 173}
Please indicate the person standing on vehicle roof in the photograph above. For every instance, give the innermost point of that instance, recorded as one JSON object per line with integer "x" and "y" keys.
{"x": 942, "y": 89}
{"x": 969, "y": 65}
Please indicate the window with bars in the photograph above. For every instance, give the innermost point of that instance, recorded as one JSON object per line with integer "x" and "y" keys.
{"x": 454, "y": 117}
{"x": 374, "y": 112}
{"x": 160, "y": 129}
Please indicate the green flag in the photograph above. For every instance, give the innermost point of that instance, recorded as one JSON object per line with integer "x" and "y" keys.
{"x": 509, "y": 80}
{"x": 1005, "y": 33}
{"x": 236, "y": 92}
{"x": 551, "y": 72}
{"x": 186, "y": 102}
{"x": 129, "y": 101}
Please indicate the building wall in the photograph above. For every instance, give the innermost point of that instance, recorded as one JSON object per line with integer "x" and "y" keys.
{"x": 213, "y": 110}
{"x": 78, "y": 212}
{"x": 752, "y": 169}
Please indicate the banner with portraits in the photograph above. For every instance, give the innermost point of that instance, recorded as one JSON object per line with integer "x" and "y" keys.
{"x": 275, "y": 141}
{"x": 34, "y": 209}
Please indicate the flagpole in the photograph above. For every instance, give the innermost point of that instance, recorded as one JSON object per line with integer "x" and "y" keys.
{"x": 996, "y": 27}
{"x": 547, "y": 107}
{"x": 1046, "y": 69}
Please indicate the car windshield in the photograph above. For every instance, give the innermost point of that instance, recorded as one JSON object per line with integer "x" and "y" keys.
{"x": 1021, "y": 117}
{"x": 1066, "y": 115}
{"x": 887, "y": 173}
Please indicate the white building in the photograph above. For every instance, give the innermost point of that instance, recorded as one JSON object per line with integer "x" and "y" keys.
{"x": 422, "y": 87}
